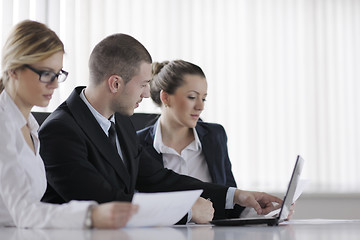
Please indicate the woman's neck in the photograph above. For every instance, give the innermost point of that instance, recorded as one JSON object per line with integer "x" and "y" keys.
{"x": 24, "y": 108}
{"x": 174, "y": 135}
{"x": 25, "y": 111}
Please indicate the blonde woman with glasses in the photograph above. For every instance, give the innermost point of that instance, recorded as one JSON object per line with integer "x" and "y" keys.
{"x": 32, "y": 63}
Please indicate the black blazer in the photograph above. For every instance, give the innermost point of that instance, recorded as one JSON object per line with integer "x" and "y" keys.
{"x": 81, "y": 163}
{"x": 214, "y": 147}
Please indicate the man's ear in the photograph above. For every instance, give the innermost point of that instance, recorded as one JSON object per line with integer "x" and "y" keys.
{"x": 115, "y": 83}
{"x": 165, "y": 98}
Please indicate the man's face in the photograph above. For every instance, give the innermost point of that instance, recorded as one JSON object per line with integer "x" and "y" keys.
{"x": 134, "y": 91}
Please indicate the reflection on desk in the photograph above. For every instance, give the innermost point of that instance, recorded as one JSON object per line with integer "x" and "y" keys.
{"x": 298, "y": 230}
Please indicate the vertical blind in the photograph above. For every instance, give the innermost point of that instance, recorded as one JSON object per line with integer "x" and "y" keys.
{"x": 283, "y": 75}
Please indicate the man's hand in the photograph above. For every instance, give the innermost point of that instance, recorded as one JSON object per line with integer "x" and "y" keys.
{"x": 112, "y": 215}
{"x": 260, "y": 201}
{"x": 202, "y": 211}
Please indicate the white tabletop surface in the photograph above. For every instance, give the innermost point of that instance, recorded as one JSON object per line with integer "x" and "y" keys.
{"x": 299, "y": 229}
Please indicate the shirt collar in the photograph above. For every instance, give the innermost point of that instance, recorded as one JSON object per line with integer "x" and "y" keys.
{"x": 197, "y": 140}
{"x": 17, "y": 117}
{"x": 160, "y": 147}
{"x": 103, "y": 121}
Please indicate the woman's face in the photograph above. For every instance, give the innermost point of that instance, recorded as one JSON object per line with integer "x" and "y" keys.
{"x": 29, "y": 90}
{"x": 187, "y": 103}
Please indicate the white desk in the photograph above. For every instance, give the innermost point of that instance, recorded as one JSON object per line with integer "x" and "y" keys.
{"x": 299, "y": 230}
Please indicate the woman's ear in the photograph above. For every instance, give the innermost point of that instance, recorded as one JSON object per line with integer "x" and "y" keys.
{"x": 12, "y": 74}
{"x": 115, "y": 83}
{"x": 165, "y": 98}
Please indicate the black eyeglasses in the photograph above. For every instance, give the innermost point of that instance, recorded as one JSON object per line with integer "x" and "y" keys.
{"x": 48, "y": 76}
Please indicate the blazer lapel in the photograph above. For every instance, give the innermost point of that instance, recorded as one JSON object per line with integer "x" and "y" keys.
{"x": 149, "y": 142}
{"x": 92, "y": 129}
{"x": 207, "y": 146}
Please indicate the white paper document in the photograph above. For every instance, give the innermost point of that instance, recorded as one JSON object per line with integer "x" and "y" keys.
{"x": 162, "y": 209}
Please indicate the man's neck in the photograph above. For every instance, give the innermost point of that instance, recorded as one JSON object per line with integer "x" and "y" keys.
{"x": 98, "y": 101}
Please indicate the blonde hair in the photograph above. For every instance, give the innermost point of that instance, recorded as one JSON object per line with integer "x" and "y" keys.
{"x": 29, "y": 42}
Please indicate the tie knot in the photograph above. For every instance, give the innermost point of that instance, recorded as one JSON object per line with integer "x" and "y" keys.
{"x": 112, "y": 128}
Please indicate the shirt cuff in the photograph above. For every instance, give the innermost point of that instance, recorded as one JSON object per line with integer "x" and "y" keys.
{"x": 229, "y": 204}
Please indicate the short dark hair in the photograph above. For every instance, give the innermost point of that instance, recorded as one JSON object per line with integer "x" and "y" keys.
{"x": 118, "y": 54}
{"x": 169, "y": 76}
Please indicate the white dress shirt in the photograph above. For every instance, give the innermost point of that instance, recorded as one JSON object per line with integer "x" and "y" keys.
{"x": 23, "y": 179}
{"x": 190, "y": 162}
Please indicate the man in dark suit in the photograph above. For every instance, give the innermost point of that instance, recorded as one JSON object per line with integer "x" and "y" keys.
{"x": 83, "y": 163}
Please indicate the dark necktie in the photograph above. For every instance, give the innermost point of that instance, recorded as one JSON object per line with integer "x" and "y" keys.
{"x": 112, "y": 134}
{"x": 112, "y": 138}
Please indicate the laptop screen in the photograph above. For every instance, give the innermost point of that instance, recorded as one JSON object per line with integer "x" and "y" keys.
{"x": 289, "y": 196}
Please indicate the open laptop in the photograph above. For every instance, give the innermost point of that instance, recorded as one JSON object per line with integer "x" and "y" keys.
{"x": 284, "y": 211}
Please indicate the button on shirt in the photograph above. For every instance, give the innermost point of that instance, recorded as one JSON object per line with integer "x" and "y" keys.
{"x": 23, "y": 179}
{"x": 190, "y": 162}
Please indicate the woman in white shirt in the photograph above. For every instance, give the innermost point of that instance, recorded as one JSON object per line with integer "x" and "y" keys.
{"x": 32, "y": 67}
{"x": 187, "y": 146}
{"x": 178, "y": 139}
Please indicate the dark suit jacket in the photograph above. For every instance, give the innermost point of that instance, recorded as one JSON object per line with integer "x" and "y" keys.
{"x": 214, "y": 147}
{"x": 81, "y": 163}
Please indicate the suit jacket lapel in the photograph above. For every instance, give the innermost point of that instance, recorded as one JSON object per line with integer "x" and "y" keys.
{"x": 207, "y": 146}
{"x": 92, "y": 129}
{"x": 149, "y": 141}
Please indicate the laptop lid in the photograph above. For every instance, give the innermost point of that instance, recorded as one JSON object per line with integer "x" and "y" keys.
{"x": 290, "y": 193}
{"x": 285, "y": 208}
